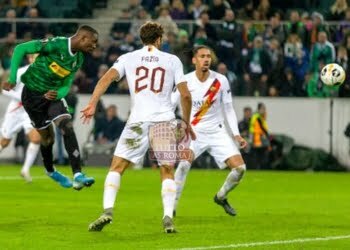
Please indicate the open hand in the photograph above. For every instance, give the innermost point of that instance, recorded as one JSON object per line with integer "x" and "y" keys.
{"x": 87, "y": 113}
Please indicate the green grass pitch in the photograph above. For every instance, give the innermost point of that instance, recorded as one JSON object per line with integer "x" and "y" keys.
{"x": 271, "y": 206}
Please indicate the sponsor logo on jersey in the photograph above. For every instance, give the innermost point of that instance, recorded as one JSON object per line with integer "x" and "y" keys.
{"x": 58, "y": 70}
{"x": 208, "y": 102}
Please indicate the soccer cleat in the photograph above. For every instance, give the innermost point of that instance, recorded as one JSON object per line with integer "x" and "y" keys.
{"x": 64, "y": 181}
{"x": 81, "y": 180}
{"x": 99, "y": 224}
{"x": 224, "y": 203}
{"x": 26, "y": 176}
{"x": 168, "y": 225}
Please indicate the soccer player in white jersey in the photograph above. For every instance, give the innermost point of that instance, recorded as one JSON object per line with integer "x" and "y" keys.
{"x": 151, "y": 75}
{"x": 15, "y": 119}
{"x": 211, "y": 106}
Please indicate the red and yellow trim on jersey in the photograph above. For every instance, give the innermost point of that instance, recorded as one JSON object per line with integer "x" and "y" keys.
{"x": 59, "y": 70}
{"x": 211, "y": 93}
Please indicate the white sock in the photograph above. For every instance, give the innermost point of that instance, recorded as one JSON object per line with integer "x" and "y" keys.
{"x": 180, "y": 178}
{"x": 231, "y": 181}
{"x": 112, "y": 184}
{"x": 168, "y": 196}
{"x": 31, "y": 153}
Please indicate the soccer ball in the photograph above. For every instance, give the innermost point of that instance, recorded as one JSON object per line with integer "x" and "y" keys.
{"x": 332, "y": 74}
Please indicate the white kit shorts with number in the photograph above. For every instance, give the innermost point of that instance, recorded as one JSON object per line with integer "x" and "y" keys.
{"x": 14, "y": 121}
{"x": 219, "y": 145}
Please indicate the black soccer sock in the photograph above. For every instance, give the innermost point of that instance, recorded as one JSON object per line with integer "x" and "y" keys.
{"x": 71, "y": 144}
{"x": 46, "y": 153}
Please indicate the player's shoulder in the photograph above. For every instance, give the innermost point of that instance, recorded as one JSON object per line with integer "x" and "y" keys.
{"x": 190, "y": 74}
{"x": 56, "y": 39}
{"x": 222, "y": 78}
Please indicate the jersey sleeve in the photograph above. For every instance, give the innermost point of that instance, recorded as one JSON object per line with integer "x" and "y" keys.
{"x": 119, "y": 66}
{"x": 226, "y": 91}
{"x": 178, "y": 71}
{"x": 31, "y": 47}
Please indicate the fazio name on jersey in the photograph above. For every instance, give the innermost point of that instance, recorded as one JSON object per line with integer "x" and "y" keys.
{"x": 149, "y": 59}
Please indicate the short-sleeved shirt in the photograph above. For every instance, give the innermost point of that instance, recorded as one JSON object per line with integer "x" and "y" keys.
{"x": 208, "y": 98}
{"x": 151, "y": 75}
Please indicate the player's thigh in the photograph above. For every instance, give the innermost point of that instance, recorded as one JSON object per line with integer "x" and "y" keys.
{"x": 11, "y": 125}
{"x": 47, "y": 135}
{"x": 133, "y": 142}
{"x": 36, "y": 107}
{"x": 58, "y": 111}
{"x": 30, "y": 131}
{"x": 34, "y": 136}
{"x": 199, "y": 145}
{"x": 222, "y": 148}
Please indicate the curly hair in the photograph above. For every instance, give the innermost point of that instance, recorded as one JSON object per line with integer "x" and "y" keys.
{"x": 150, "y": 32}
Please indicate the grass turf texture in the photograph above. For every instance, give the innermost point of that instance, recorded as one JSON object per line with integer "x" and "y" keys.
{"x": 271, "y": 206}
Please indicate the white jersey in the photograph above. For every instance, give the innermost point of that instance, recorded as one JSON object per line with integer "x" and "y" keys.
{"x": 208, "y": 98}
{"x": 151, "y": 75}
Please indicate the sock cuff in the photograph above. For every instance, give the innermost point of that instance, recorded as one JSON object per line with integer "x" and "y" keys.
{"x": 33, "y": 145}
{"x": 241, "y": 168}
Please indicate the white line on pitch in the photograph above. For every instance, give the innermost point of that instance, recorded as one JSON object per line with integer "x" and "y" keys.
{"x": 267, "y": 243}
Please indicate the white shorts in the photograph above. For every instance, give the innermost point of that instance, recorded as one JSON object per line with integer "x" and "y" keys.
{"x": 137, "y": 138}
{"x": 14, "y": 121}
{"x": 219, "y": 144}
{"x": 133, "y": 142}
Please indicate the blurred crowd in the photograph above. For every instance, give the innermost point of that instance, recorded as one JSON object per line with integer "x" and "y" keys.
{"x": 264, "y": 47}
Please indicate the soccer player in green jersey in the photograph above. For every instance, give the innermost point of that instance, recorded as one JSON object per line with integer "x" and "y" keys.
{"x": 47, "y": 81}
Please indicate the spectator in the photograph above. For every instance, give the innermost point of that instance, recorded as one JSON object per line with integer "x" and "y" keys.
{"x": 7, "y": 27}
{"x": 120, "y": 29}
{"x": 317, "y": 27}
{"x": 297, "y": 60}
{"x": 92, "y": 62}
{"x": 265, "y": 9}
{"x": 343, "y": 60}
{"x": 288, "y": 86}
{"x": 277, "y": 62}
{"x": 178, "y": 10}
{"x": 230, "y": 43}
{"x": 196, "y": 9}
{"x": 206, "y": 29}
{"x": 6, "y": 50}
{"x": 166, "y": 21}
{"x": 275, "y": 30}
{"x": 231, "y": 77}
{"x": 323, "y": 51}
{"x": 337, "y": 10}
{"x": 295, "y": 26}
{"x": 258, "y": 130}
{"x": 246, "y": 13}
{"x": 109, "y": 128}
{"x": 217, "y": 10}
{"x": 141, "y": 17}
{"x": 128, "y": 45}
{"x": 183, "y": 48}
{"x": 134, "y": 8}
{"x": 243, "y": 127}
{"x": 36, "y": 29}
{"x": 256, "y": 69}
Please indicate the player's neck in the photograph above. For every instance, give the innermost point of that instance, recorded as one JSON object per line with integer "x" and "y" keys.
{"x": 202, "y": 76}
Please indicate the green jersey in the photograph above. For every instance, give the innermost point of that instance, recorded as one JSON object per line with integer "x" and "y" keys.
{"x": 53, "y": 69}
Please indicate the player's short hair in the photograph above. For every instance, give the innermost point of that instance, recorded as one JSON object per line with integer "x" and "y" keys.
{"x": 196, "y": 48}
{"x": 88, "y": 29}
{"x": 150, "y": 32}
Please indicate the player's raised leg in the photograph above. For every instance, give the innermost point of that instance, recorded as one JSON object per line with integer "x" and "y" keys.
{"x": 112, "y": 185}
{"x": 71, "y": 145}
{"x": 238, "y": 168}
{"x": 31, "y": 154}
{"x": 47, "y": 141}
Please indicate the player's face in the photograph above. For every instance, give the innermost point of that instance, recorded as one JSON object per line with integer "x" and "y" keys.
{"x": 89, "y": 42}
{"x": 202, "y": 60}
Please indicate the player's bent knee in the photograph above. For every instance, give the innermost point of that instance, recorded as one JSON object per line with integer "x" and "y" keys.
{"x": 119, "y": 165}
{"x": 184, "y": 166}
{"x": 241, "y": 169}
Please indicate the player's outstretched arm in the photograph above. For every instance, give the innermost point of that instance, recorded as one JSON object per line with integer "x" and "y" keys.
{"x": 186, "y": 105}
{"x": 101, "y": 87}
